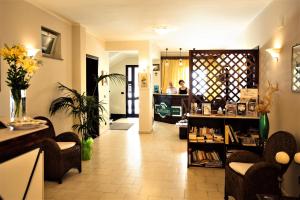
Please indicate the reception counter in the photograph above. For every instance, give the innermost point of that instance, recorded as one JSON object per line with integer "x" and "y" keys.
{"x": 170, "y": 108}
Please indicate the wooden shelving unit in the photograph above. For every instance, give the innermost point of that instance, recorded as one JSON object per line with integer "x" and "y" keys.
{"x": 196, "y": 146}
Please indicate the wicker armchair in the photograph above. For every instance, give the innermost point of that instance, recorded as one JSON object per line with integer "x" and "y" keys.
{"x": 62, "y": 153}
{"x": 247, "y": 174}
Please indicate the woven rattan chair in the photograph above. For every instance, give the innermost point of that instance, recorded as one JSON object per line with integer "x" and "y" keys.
{"x": 62, "y": 153}
{"x": 247, "y": 174}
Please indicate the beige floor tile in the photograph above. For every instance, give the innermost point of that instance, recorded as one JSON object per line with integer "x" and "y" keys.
{"x": 132, "y": 166}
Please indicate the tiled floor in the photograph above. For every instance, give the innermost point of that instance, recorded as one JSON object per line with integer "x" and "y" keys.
{"x": 128, "y": 165}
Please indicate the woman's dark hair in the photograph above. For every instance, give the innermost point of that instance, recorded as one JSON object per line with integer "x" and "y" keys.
{"x": 181, "y": 81}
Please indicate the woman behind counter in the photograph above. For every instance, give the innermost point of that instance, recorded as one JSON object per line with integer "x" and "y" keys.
{"x": 182, "y": 89}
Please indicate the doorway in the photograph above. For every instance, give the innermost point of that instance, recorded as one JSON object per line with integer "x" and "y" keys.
{"x": 132, "y": 91}
{"x": 92, "y": 86}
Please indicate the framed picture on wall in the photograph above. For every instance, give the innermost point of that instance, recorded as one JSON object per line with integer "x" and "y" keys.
{"x": 143, "y": 80}
{"x": 156, "y": 67}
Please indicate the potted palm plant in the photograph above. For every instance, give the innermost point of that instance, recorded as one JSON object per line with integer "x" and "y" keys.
{"x": 86, "y": 111}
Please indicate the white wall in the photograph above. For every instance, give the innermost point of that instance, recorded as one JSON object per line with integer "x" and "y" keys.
{"x": 21, "y": 23}
{"x": 145, "y": 65}
{"x": 24, "y": 28}
{"x": 118, "y": 100}
{"x": 279, "y": 26}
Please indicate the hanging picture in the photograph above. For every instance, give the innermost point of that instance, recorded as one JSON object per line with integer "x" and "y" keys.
{"x": 156, "y": 67}
{"x": 143, "y": 80}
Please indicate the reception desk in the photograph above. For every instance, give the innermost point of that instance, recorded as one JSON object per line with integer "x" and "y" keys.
{"x": 170, "y": 108}
{"x": 15, "y": 143}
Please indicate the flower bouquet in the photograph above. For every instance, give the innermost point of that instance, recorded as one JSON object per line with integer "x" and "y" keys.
{"x": 264, "y": 107}
{"x": 20, "y": 71}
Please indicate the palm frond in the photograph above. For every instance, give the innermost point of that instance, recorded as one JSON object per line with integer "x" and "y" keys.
{"x": 61, "y": 103}
{"x": 71, "y": 92}
{"x": 114, "y": 77}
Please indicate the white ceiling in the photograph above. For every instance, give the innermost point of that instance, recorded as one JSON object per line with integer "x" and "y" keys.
{"x": 198, "y": 23}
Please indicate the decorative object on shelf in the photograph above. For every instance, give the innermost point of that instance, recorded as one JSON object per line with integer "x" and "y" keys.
{"x": 230, "y": 109}
{"x": 296, "y": 68}
{"x": 241, "y": 108}
{"x": 252, "y": 108}
{"x": 206, "y": 108}
{"x": 264, "y": 125}
{"x": 84, "y": 109}
{"x": 297, "y": 158}
{"x": 22, "y": 66}
{"x": 264, "y": 108}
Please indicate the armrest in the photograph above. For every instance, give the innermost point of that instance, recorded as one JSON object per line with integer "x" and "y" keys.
{"x": 68, "y": 137}
{"x": 243, "y": 156}
{"x": 50, "y": 146}
{"x": 262, "y": 176}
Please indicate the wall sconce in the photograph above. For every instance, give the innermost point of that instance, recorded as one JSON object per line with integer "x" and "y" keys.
{"x": 274, "y": 52}
{"x": 31, "y": 52}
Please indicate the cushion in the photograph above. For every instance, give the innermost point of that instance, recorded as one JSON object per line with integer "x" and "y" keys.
{"x": 65, "y": 145}
{"x": 240, "y": 167}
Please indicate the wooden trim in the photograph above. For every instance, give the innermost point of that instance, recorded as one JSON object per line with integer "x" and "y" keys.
{"x": 92, "y": 57}
{"x": 174, "y": 57}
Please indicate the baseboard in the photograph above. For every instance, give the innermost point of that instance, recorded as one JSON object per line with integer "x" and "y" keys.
{"x": 146, "y": 132}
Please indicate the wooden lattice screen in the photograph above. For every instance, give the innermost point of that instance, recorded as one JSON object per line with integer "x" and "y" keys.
{"x": 222, "y": 73}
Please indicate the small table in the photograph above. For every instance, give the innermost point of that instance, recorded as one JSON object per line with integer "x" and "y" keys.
{"x": 17, "y": 142}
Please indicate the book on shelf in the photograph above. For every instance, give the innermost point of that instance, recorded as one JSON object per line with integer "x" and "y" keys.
{"x": 234, "y": 134}
{"x": 206, "y": 158}
{"x": 205, "y": 135}
{"x": 231, "y": 135}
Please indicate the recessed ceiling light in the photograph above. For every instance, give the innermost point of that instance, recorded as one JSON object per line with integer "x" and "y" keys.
{"x": 162, "y": 29}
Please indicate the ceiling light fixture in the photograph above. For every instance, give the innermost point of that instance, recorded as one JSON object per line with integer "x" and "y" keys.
{"x": 167, "y": 61}
{"x": 162, "y": 29}
{"x": 180, "y": 59}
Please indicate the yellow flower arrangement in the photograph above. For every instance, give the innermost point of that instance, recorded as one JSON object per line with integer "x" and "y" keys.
{"x": 20, "y": 71}
{"x": 21, "y": 66}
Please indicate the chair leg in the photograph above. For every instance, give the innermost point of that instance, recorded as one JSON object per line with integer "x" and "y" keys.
{"x": 225, "y": 197}
{"x": 79, "y": 169}
{"x": 59, "y": 181}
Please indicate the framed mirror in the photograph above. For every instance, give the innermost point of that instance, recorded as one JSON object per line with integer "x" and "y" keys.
{"x": 296, "y": 68}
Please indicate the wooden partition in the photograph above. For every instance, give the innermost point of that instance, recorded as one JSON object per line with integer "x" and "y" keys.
{"x": 221, "y": 73}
